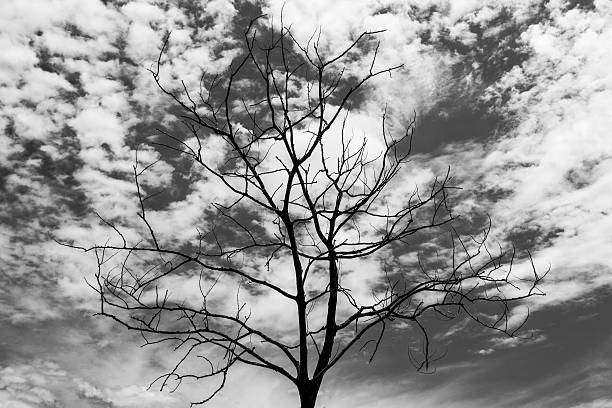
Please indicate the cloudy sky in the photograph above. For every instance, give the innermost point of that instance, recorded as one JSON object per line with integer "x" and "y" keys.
{"x": 514, "y": 95}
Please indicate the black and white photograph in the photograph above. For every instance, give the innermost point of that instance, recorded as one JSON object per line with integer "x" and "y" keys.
{"x": 309, "y": 204}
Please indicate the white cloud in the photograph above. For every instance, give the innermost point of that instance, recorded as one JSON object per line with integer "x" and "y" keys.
{"x": 30, "y": 385}
{"x": 98, "y": 126}
{"x": 525, "y": 338}
{"x": 15, "y": 57}
{"x": 42, "y": 383}
{"x": 598, "y": 403}
{"x": 561, "y": 149}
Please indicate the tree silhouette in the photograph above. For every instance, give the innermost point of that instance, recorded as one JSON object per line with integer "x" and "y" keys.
{"x": 300, "y": 188}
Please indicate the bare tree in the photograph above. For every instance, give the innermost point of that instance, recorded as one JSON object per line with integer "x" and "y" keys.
{"x": 279, "y": 110}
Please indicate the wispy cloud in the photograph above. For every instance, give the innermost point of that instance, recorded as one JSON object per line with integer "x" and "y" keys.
{"x": 500, "y": 343}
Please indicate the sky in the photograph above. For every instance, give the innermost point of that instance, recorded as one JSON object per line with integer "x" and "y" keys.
{"x": 514, "y": 96}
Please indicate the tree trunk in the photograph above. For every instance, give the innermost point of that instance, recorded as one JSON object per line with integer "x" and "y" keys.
{"x": 308, "y": 400}
{"x": 308, "y": 394}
